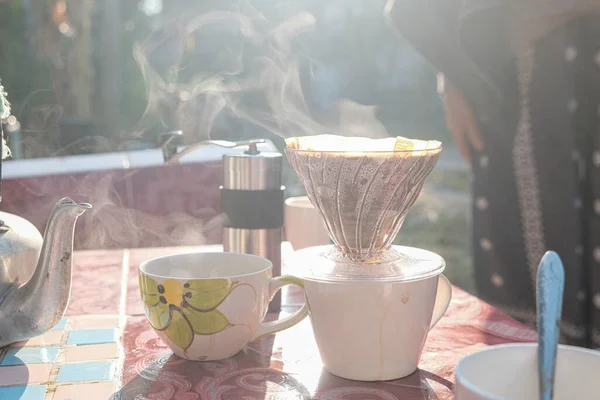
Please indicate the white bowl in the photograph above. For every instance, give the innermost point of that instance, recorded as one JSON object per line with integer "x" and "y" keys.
{"x": 509, "y": 372}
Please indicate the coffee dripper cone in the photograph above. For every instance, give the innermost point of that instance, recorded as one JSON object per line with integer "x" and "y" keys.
{"x": 363, "y": 188}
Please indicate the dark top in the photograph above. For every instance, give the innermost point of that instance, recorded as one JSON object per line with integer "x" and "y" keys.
{"x": 455, "y": 37}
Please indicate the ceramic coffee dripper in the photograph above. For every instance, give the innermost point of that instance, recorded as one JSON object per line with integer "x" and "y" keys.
{"x": 208, "y": 306}
{"x": 371, "y": 304}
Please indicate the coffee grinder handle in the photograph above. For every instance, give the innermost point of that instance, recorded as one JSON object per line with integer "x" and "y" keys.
{"x": 172, "y": 140}
{"x": 267, "y": 328}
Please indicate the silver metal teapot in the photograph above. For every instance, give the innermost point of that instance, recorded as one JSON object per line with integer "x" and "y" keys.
{"x": 35, "y": 272}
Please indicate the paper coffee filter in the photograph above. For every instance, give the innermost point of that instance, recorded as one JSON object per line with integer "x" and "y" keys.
{"x": 335, "y": 143}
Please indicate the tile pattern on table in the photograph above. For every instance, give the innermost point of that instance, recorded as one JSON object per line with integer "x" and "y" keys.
{"x": 30, "y": 355}
{"x": 93, "y": 336}
{"x": 86, "y": 372}
{"x": 30, "y": 392}
{"x": 88, "y": 391}
{"x": 79, "y": 358}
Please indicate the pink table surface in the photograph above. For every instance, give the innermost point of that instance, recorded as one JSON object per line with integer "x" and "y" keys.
{"x": 282, "y": 366}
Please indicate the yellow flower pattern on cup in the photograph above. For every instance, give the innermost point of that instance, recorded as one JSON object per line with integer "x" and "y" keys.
{"x": 182, "y": 310}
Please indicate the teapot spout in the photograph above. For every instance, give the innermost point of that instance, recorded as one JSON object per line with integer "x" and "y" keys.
{"x": 39, "y": 304}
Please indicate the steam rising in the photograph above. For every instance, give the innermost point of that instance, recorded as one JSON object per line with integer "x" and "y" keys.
{"x": 119, "y": 217}
{"x": 192, "y": 82}
{"x": 255, "y": 78}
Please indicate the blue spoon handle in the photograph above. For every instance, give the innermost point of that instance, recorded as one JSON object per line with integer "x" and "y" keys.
{"x": 550, "y": 286}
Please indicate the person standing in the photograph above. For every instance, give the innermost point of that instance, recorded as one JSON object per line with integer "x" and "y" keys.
{"x": 520, "y": 82}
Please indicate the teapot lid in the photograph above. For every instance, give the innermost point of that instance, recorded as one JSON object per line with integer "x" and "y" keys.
{"x": 397, "y": 264}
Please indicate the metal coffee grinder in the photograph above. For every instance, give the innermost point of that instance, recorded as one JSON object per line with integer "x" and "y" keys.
{"x": 252, "y": 198}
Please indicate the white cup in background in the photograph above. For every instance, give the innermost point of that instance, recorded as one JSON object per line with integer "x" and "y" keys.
{"x": 509, "y": 372}
{"x": 304, "y": 226}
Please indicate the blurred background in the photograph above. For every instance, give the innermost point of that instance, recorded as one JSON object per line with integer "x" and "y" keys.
{"x": 98, "y": 77}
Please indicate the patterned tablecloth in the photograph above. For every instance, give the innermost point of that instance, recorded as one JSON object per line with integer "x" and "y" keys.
{"x": 105, "y": 349}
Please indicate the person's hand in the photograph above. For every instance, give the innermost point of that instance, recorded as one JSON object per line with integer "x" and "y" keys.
{"x": 460, "y": 119}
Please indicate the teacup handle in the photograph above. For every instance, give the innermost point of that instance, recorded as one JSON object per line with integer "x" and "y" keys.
{"x": 267, "y": 328}
{"x": 442, "y": 300}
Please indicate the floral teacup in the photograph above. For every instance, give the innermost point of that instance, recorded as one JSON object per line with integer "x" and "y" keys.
{"x": 208, "y": 306}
